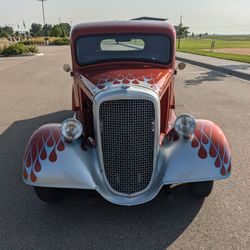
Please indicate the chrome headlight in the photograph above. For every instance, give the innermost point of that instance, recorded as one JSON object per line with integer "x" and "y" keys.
{"x": 71, "y": 129}
{"x": 185, "y": 125}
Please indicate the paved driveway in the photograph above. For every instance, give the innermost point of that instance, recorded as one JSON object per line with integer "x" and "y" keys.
{"x": 35, "y": 90}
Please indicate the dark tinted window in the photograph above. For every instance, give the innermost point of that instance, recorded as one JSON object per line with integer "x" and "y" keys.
{"x": 120, "y": 47}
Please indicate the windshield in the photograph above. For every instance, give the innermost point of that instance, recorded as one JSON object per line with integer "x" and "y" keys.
{"x": 154, "y": 48}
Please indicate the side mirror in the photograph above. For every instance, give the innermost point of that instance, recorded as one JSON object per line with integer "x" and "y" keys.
{"x": 66, "y": 68}
{"x": 181, "y": 66}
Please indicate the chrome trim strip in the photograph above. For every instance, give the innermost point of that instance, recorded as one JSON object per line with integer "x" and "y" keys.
{"x": 132, "y": 92}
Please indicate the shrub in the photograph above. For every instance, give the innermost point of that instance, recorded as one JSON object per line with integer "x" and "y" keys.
{"x": 51, "y": 41}
{"x": 32, "y": 49}
{"x": 61, "y": 41}
{"x": 34, "y": 41}
{"x": 15, "y": 49}
{"x": 28, "y": 42}
{"x": 19, "y": 49}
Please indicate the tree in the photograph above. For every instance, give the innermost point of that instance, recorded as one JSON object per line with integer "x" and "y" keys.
{"x": 6, "y": 31}
{"x": 182, "y": 31}
{"x": 56, "y": 31}
{"x": 36, "y": 29}
{"x": 60, "y": 30}
{"x": 47, "y": 29}
{"x": 65, "y": 27}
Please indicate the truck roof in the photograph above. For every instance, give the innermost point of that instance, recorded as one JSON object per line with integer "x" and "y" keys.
{"x": 130, "y": 26}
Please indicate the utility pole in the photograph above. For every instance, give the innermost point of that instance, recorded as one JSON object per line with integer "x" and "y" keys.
{"x": 179, "y": 37}
{"x": 43, "y": 15}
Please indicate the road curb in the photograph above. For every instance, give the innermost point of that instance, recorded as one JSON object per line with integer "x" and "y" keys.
{"x": 231, "y": 72}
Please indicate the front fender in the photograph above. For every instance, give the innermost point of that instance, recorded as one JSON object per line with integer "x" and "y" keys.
{"x": 205, "y": 156}
{"x": 51, "y": 162}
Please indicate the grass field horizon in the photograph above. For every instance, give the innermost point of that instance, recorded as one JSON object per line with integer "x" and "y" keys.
{"x": 201, "y": 46}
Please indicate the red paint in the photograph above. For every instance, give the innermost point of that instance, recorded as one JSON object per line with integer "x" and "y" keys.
{"x": 33, "y": 176}
{"x": 53, "y": 156}
{"x": 209, "y": 139}
{"x": 125, "y": 81}
{"x": 171, "y": 136}
{"x": 212, "y": 150}
{"x": 28, "y": 160}
{"x": 135, "y": 82}
{"x": 43, "y": 154}
{"x": 204, "y": 138}
{"x": 37, "y": 166}
{"x": 60, "y": 146}
{"x": 223, "y": 171}
{"x": 130, "y": 77}
{"x": 129, "y": 74}
{"x": 218, "y": 162}
{"x": 44, "y": 144}
{"x": 25, "y": 174}
{"x": 195, "y": 143}
{"x": 151, "y": 82}
{"x": 50, "y": 142}
{"x": 156, "y": 77}
{"x": 202, "y": 152}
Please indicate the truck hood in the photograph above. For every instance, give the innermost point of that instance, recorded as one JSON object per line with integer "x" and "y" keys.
{"x": 156, "y": 79}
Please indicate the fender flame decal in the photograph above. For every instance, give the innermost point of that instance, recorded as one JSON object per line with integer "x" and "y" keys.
{"x": 210, "y": 141}
{"x": 44, "y": 144}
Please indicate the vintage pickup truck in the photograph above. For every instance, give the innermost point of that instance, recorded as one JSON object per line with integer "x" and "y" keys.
{"x": 125, "y": 140}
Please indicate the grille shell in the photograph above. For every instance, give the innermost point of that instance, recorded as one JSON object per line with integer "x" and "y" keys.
{"x": 127, "y": 130}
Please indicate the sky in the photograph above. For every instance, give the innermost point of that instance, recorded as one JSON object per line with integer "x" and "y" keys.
{"x": 212, "y": 16}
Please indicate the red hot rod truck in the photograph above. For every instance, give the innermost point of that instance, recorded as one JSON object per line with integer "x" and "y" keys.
{"x": 124, "y": 140}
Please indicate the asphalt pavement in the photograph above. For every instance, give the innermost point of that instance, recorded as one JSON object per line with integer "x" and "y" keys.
{"x": 238, "y": 69}
{"x": 35, "y": 91}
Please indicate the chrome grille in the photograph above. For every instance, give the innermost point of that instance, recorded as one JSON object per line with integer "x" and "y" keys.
{"x": 127, "y": 136}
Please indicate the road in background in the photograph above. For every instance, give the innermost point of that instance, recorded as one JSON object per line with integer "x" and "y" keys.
{"x": 35, "y": 91}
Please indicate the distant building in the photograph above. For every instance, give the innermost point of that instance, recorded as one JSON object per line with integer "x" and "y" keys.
{"x": 21, "y": 32}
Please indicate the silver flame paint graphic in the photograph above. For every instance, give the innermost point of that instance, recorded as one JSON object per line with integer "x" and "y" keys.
{"x": 108, "y": 81}
{"x": 44, "y": 144}
{"x": 210, "y": 141}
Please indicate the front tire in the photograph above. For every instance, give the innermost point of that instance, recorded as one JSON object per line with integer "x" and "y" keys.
{"x": 49, "y": 195}
{"x": 201, "y": 189}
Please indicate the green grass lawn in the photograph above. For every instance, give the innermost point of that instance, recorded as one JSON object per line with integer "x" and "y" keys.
{"x": 200, "y": 46}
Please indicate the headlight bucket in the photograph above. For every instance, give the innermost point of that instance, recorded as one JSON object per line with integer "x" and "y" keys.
{"x": 71, "y": 129}
{"x": 185, "y": 125}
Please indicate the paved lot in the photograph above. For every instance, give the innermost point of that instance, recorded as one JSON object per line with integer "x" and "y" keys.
{"x": 35, "y": 90}
{"x": 239, "y": 69}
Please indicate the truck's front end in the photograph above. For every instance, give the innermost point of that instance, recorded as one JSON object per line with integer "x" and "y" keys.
{"x": 124, "y": 140}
